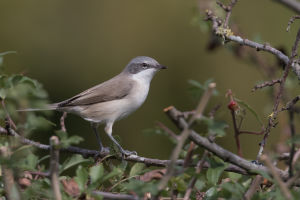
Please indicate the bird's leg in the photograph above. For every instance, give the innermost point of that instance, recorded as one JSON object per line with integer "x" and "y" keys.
{"x": 108, "y": 130}
{"x": 95, "y": 129}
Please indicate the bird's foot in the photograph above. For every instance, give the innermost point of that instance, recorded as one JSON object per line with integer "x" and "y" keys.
{"x": 103, "y": 151}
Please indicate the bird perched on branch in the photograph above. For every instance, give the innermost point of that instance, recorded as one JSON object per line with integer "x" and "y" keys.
{"x": 113, "y": 99}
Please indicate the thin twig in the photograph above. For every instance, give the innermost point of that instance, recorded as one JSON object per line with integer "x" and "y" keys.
{"x": 62, "y": 122}
{"x": 282, "y": 186}
{"x": 54, "y": 167}
{"x": 243, "y": 41}
{"x": 114, "y": 196}
{"x": 11, "y": 189}
{"x": 279, "y": 95}
{"x": 167, "y": 130}
{"x": 253, "y": 187}
{"x": 266, "y": 84}
{"x": 291, "y": 21}
{"x": 228, "y": 10}
{"x": 7, "y": 114}
{"x": 236, "y": 133}
{"x": 293, "y": 146}
{"x": 184, "y": 135}
{"x": 194, "y": 179}
{"x": 291, "y": 104}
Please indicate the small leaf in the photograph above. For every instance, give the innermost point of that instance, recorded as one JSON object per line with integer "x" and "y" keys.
{"x": 81, "y": 178}
{"x": 215, "y": 127}
{"x": 67, "y": 141}
{"x": 248, "y": 107}
{"x": 213, "y": 174}
{"x": 73, "y": 161}
{"x": 96, "y": 173}
{"x": 136, "y": 169}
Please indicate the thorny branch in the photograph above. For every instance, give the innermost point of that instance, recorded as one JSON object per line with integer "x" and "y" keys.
{"x": 279, "y": 94}
{"x": 266, "y": 84}
{"x": 229, "y": 36}
{"x": 184, "y": 135}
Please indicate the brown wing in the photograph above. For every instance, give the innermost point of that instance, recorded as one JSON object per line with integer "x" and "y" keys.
{"x": 115, "y": 88}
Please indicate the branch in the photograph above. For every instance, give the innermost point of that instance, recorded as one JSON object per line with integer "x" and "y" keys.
{"x": 108, "y": 195}
{"x": 62, "y": 121}
{"x": 265, "y": 84}
{"x": 184, "y": 135}
{"x": 292, "y": 4}
{"x": 54, "y": 165}
{"x": 224, "y": 154}
{"x": 11, "y": 189}
{"x": 253, "y": 187}
{"x": 290, "y": 104}
{"x": 284, "y": 189}
{"x": 243, "y": 41}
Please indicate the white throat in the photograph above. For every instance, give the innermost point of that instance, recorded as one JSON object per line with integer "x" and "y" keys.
{"x": 144, "y": 76}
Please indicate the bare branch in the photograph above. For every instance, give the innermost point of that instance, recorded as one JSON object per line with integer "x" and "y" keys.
{"x": 62, "y": 122}
{"x": 194, "y": 179}
{"x": 284, "y": 189}
{"x": 108, "y": 195}
{"x": 11, "y": 189}
{"x": 291, "y": 103}
{"x": 184, "y": 135}
{"x": 217, "y": 22}
{"x": 266, "y": 84}
{"x": 253, "y": 187}
{"x": 54, "y": 165}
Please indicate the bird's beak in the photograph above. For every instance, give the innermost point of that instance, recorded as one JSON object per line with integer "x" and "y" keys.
{"x": 161, "y": 67}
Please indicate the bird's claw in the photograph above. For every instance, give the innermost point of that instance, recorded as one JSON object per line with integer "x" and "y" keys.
{"x": 103, "y": 150}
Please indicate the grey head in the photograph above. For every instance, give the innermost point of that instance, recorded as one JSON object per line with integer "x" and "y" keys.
{"x": 142, "y": 63}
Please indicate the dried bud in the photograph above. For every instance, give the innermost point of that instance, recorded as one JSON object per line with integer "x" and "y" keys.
{"x": 233, "y": 105}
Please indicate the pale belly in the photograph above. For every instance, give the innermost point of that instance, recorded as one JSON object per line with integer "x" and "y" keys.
{"x": 113, "y": 110}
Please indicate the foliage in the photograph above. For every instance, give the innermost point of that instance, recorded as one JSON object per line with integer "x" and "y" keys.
{"x": 26, "y": 172}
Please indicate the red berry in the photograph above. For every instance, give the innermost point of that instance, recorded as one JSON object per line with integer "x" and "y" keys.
{"x": 233, "y": 105}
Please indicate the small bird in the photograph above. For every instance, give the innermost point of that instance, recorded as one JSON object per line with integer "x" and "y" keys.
{"x": 114, "y": 99}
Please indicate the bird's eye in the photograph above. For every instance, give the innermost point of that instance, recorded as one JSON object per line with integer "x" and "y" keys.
{"x": 144, "y": 65}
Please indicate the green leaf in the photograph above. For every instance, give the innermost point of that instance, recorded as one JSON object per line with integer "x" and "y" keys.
{"x": 3, "y": 93}
{"x": 81, "y": 178}
{"x": 248, "y": 107}
{"x": 217, "y": 166}
{"x": 140, "y": 188}
{"x": 96, "y": 173}
{"x": 215, "y": 128}
{"x": 211, "y": 193}
{"x": 136, "y": 169}
{"x": 213, "y": 174}
{"x": 67, "y": 141}
{"x": 114, "y": 173}
{"x": 73, "y": 161}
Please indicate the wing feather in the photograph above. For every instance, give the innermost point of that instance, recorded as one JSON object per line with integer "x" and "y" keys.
{"x": 113, "y": 89}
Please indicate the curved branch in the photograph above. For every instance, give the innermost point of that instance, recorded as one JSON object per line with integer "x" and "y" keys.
{"x": 131, "y": 158}
{"x": 242, "y": 41}
{"x": 292, "y": 4}
{"x": 222, "y": 153}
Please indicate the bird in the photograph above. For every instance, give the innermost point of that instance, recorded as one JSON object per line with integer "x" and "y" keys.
{"x": 113, "y": 99}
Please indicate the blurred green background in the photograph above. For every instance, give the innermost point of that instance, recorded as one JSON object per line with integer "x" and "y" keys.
{"x": 70, "y": 46}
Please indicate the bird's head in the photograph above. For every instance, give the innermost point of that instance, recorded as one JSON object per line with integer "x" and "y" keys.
{"x": 143, "y": 67}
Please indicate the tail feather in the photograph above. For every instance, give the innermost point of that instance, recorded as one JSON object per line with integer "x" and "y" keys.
{"x": 48, "y": 107}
